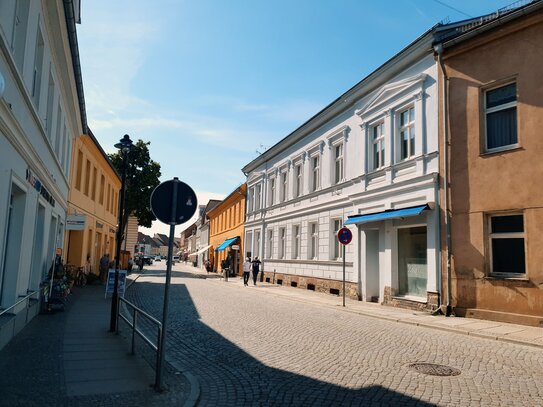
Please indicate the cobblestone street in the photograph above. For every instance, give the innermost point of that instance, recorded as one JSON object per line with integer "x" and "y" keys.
{"x": 247, "y": 347}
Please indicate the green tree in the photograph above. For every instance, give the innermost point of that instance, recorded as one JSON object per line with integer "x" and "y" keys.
{"x": 142, "y": 177}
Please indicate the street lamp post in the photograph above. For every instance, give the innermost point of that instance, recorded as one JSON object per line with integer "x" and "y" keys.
{"x": 125, "y": 145}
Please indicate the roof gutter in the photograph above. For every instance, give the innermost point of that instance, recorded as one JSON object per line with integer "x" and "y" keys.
{"x": 76, "y": 64}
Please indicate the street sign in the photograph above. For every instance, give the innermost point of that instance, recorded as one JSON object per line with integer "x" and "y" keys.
{"x": 110, "y": 283}
{"x": 162, "y": 200}
{"x": 344, "y": 235}
{"x": 172, "y": 202}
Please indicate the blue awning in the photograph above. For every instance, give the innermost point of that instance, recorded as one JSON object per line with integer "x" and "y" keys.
{"x": 225, "y": 244}
{"x": 390, "y": 214}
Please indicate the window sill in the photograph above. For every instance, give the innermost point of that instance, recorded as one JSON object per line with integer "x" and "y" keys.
{"x": 410, "y": 298}
{"x": 505, "y": 149}
{"x": 509, "y": 277}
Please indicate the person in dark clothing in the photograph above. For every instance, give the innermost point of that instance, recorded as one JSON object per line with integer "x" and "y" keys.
{"x": 256, "y": 269}
{"x": 246, "y": 271}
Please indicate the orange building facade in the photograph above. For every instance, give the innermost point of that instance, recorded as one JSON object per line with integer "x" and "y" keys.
{"x": 494, "y": 100}
{"x": 93, "y": 205}
{"x": 226, "y": 228}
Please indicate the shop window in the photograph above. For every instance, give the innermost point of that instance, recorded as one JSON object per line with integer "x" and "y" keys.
{"x": 412, "y": 261}
{"x": 507, "y": 245}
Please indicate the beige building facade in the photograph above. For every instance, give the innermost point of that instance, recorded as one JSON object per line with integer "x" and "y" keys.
{"x": 93, "y": 205}
{"x": 493, "y": 99}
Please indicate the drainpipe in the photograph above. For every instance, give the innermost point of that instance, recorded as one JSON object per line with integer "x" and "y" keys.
{"x": 439, "y": 51}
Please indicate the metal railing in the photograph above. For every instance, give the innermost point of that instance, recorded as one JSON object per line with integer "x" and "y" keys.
{"x": 134, "y": 326}
{"x": 25, "y": 298}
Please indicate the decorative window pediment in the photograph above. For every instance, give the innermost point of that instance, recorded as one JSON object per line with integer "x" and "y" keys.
{"x": 338, "y": 136}
{"x": 254, "y": 177}
{"x": 391, "y": 91}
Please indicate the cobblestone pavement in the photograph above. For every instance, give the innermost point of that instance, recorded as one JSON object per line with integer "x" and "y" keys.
{"x": 247, "y": 348}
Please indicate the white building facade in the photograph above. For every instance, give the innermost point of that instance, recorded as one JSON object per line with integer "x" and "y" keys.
{"x": 41, "y": 112}
{"x": 372, "y": 151}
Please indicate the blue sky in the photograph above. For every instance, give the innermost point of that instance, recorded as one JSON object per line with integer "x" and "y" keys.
{"x": 211, "y": 82}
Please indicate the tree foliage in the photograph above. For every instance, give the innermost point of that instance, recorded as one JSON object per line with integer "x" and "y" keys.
{"x": 142, "y": 177}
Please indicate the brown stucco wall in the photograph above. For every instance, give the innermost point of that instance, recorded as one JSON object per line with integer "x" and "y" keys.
{"x": 506, "y": 181}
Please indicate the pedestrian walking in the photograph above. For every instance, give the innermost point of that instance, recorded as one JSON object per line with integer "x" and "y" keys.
{"x": 140, "y": 263}
{"x": 104, "y": 267}
{"x": 130, "y": 265}
{"x": 255, "y": 268}
{"x": 246, "y": 270}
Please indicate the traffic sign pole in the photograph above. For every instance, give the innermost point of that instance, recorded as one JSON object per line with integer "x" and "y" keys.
{"x": 343, "y": 275}
{"x": 172, "y": 202}
{"x": 344, "y": 236}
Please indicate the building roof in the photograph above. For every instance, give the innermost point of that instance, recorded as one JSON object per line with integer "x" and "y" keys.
{"x": 474, "y": 27}
{"x": 70, "y": 11}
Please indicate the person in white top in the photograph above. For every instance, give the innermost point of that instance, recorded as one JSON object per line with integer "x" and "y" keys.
{"x": 246, "y": 270}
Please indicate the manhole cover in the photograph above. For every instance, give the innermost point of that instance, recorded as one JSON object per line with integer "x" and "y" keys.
{"x": 434, "y": 369}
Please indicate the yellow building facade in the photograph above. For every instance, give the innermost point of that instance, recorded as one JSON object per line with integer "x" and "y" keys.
{"x": 226, "y": 226}
{"x": 93, "y": 205}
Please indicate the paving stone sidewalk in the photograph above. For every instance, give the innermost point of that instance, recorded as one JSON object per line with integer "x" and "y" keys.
{"x": 70, "y": 359}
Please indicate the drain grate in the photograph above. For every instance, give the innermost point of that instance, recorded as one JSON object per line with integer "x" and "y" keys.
{"x": 433, "y": 369}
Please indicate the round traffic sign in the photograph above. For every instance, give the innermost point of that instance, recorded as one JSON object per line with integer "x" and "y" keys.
{"x": 163, "y": 206}
{"x": 344, "y": 235}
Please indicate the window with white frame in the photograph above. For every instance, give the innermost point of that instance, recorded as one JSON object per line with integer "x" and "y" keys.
{"x": 338, "y": 163}
{"x": 248, "y": 244}
{"x": 270, "y": 243}
{"x": 314, "y": 244}
{"x": 282, "y": 242}
{"x": 506, "y": 244}
{"x": 315, "y": 173}
{"x": 256, "y": 248}
{"x": 20, "y": 31}
{"x": 298, "y": 180}
{"x": 272, "y": 191}
{"x": 407, "y": 133}
{"x": 296, "y": 242}
{"x": 258, "y": 193}
{"x": 336, "y": 225}
{"x": 38, "y": 68}
{"x": 378, "y": 145}
{"x": 501, "y": 117}
{"x": 284, "y": 186}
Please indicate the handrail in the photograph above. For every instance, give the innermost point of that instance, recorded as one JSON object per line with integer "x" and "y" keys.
{"x": 20, "y": 301}
{"x": 134, "y": 325}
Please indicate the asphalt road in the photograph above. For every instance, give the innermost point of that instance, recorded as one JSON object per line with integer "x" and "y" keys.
{"x": 247, "y": 347}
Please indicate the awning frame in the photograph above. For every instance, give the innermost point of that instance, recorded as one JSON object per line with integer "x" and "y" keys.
{"x": 388, "y": 214}
{"x": 226, "y": 244}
